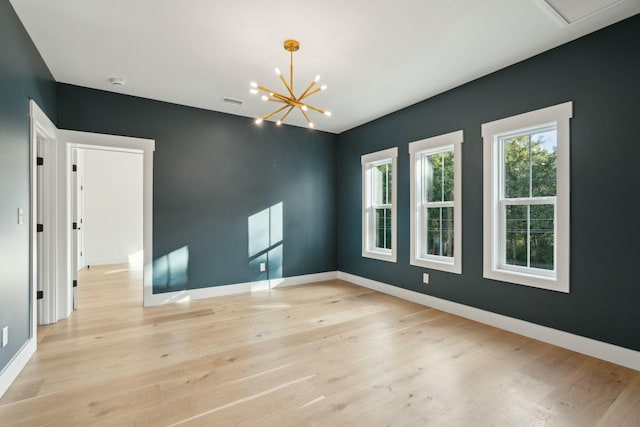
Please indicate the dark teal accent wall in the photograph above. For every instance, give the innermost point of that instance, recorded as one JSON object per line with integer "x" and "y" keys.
{"x": 600, "y": 74}
{"x": 214, "y": 174}
{"x": 23, "y": 76}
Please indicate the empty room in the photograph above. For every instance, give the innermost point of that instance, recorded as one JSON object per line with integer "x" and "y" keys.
{"x": 356, "y": 213}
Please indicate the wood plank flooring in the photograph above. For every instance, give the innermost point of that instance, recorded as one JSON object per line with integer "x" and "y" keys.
{"x": 326, "y": 354}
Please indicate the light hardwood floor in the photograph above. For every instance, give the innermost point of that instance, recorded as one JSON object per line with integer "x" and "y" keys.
{"x": 326, "y": 354}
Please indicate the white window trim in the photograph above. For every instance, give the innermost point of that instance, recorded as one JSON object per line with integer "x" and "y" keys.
{"x": 437, "y": 143}
{"x": 491, "y": 133}
{"x": 367, "y": 160}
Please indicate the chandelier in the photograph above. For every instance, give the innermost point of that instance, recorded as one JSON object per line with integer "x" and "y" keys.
{"x": 290, "y": 101}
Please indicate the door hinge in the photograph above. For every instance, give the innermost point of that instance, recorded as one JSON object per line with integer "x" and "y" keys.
{"x": 39, "y": 294}
{"x": 74, "y": 168}
{"x": 75, "y": 283}
{"x": 39, "y": 161}
{"x": 39, "y": 228}
{"x": 75, "y": 226}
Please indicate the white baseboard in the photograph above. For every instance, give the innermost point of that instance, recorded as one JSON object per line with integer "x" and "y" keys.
{"x": 601, "y": 350}
{"x": 303, "y": 280}
{"x": 16, "y": 365}
{"x": 106, "y": 261}
{"x": 237, "y": 288}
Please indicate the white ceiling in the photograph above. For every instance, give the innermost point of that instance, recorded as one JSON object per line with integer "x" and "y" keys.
{"x": 375, "y": 56}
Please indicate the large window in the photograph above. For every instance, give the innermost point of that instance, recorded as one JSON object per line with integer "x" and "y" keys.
{"x": 379, "y": 205}
{"x": 436, "y": 205}
{"x": 526, "y": 200}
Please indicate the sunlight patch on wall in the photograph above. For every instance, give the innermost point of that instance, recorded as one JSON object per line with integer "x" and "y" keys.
{"x": 170, "y": 272}
{"x": 266, "y": 242}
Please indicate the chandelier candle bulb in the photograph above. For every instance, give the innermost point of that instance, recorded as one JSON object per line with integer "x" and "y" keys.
{"x": 290, "y": 101}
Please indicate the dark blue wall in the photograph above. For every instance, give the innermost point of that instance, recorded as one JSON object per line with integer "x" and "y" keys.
{"x": 600, "y": 73}
{"x": 23, "y": 76}
{"x": 213, "y": 171}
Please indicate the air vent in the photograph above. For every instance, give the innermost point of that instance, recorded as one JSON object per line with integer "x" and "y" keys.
{"x": 571, "y": 11}
{"x": 232, "y": 101}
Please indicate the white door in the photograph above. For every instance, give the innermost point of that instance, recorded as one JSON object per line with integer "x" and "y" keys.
{"x": 74, "y": 229}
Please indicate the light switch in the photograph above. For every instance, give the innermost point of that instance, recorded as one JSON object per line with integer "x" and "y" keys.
{"x": 20, "y": 216}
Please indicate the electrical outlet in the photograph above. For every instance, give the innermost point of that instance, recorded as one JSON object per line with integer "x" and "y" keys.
{"x": 425, "y": 278}
{"x": 5, "y": 336}
{"x": 263, "y": 267}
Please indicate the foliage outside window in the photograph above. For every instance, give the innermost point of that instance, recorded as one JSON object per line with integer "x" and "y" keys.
{"x": 526, "y": 201}
{"x": 436, "y": 231}
{"x": 378, "y": 205}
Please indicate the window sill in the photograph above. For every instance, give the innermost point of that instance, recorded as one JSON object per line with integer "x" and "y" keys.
{"x": 381, "y": 256}
{"x": 433, "y": 264}
{"x": 532, "y": 280}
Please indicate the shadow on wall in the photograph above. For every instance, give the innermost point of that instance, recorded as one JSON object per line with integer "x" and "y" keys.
{"x": 266, "y": 243}
{"x": 170, "y": 271}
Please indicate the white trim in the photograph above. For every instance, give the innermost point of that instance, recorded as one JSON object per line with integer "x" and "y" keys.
{"x": 601, "y": 350}
{"x": 41, "y": 125}
{"x": 303, "y": 279}
{"x": 236, "y": 288}
{"x": 558, "y": 115}
{"x": 108, "y": 261}
{"x": 75, "y": 139}
{"x": 455, "y": 140}
{"x": 366, "y": 160}
{"x": 16, "y": 365}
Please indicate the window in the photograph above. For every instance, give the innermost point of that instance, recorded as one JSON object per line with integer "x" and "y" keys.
{"x": 379, "y": 205}
{"x": 526, "y": 198}
{"x": 436, "y": 202}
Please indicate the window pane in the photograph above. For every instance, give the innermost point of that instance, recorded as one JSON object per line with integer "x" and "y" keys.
{"x": 542, "y": 236}
{"x": 383, "y": 228}
{"x": 516, "y": 167}
{"x": 447, "y": 232}
{"x": 381, "y": 184}
{"x": 433, "y": 177}
{"x": 516, "y": 238}
{"x": 433, "y": 231}
{"x": 543, "y": 164}
{"x": 447, "y": 160}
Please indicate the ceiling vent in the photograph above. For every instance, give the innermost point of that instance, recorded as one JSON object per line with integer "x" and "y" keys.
{"x": 236, "y": 102}
{"x": 571, "y": 11}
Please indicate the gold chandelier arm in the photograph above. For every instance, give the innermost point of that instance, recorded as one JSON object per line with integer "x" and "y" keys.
{"x": 287, "y": 86}
{"x": 310, "y": 93}
{"x": 304, "y": 94}
{"x": 274, "y": 112}
{"x": 276, "y": 99}
{"x": 286, "y": 114}
{"x": 306, "y": 116}
{"x": 319, "y": 110}
{"x": 265, "y": 89}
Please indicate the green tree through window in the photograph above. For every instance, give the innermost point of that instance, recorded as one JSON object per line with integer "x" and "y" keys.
{"x": 530, "y": 179}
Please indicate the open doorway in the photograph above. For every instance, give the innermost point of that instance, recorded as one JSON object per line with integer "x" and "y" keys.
{"x": 81, "y": 146}
{"x": 107, "y": 205}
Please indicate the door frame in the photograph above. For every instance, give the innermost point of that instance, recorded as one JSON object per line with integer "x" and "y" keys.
{"x": 43, "y": 127}
{"x": 69, "y": 140}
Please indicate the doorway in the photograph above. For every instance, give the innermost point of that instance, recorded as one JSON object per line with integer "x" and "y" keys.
{"x": 87, "y": 145}
{"x": 107, "y": 205}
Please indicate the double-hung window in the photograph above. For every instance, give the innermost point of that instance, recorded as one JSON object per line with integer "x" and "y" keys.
{"x": 379, "y": 205}
{"x": 436, "y": 202}
{"x": 526, "y": 200}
